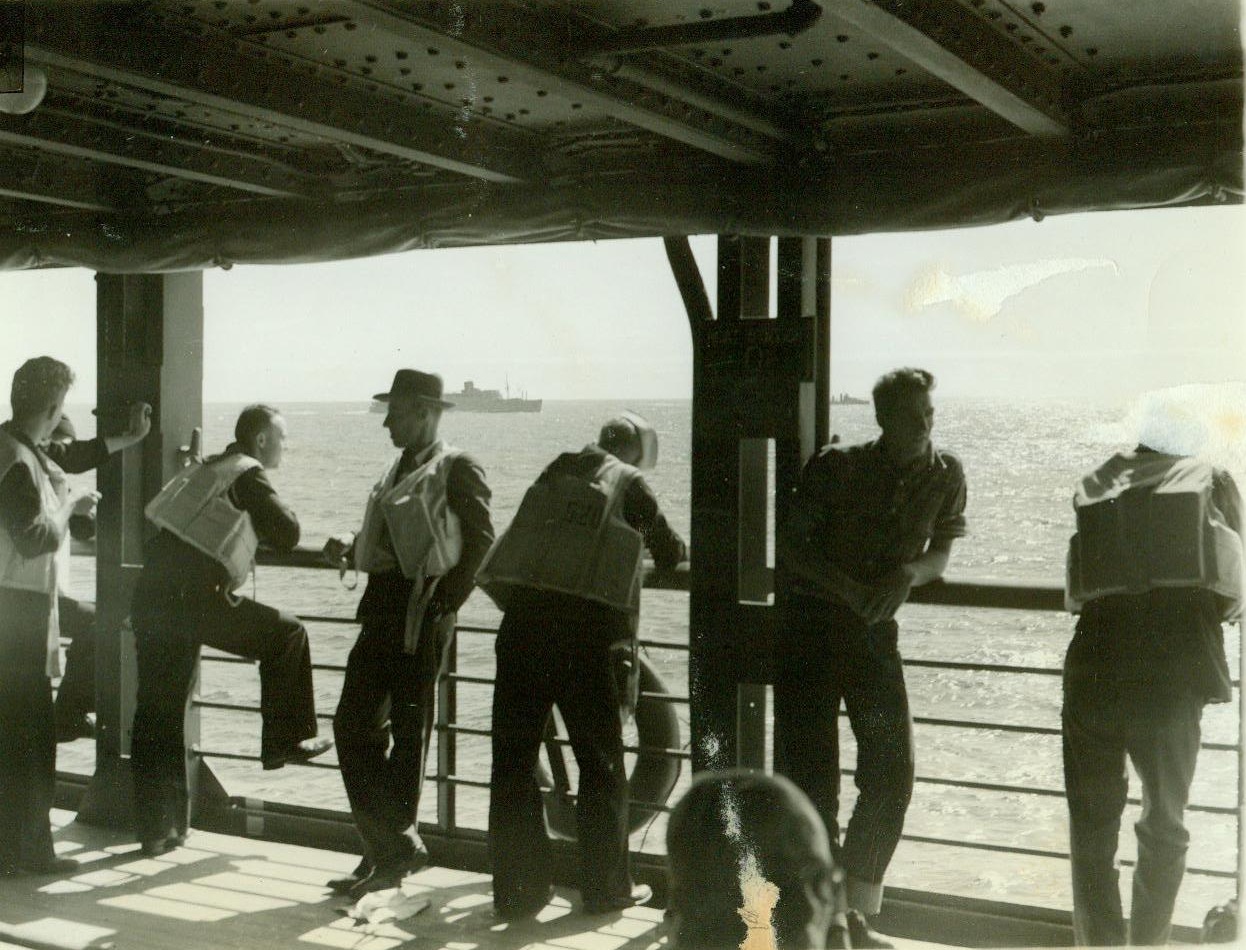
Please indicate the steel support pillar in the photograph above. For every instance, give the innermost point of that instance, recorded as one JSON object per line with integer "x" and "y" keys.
{"x": 149, "y": 349}
{"x": 755, "y": 387}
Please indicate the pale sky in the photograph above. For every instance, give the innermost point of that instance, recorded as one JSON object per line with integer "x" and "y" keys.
{"x": 1094, "y": 306}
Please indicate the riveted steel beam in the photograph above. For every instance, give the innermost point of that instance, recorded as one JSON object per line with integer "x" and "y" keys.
{"x": 249, "y": 82}
{"x": 30, "y": 177}
{"x": 951, "y": 42}
{"x": 797, "y": 18}
{"x": 64, "y": 134}
{"x": 541, "y": 50}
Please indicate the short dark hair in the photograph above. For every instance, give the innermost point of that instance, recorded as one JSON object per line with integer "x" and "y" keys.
{"x": 618, "y": 435}
{"x": 895, "y": 386}
{"x": 37, "y": 383}
{"x": 252, "y": 421}
{"x": 727, "y": 820}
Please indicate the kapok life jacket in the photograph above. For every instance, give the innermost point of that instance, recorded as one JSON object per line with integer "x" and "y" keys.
{"x": 1148, "y": 520}
{"x": 41, "y": 574}
{"x": 569, "y": 537}
{"x": 425, "y": 538}
{"x": 195, "y": 507}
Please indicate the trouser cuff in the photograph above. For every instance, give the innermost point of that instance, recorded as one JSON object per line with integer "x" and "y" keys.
{"x": 865, "y": 896}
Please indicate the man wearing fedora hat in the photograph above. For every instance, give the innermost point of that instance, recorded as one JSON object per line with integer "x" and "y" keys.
{"x": 425, "y": 530}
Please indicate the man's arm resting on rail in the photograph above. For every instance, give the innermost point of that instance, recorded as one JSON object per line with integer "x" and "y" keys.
{"x": 893, "y": 590}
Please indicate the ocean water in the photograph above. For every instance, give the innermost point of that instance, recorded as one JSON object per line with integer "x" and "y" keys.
{"x": 1021, "y": 461}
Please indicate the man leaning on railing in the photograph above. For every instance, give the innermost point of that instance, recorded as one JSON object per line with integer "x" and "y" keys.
{"x": 868, "y": 523}
{"x": 1154, "y": 568}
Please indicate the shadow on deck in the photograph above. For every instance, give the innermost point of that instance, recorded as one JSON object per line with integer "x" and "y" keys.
{"x": 223, "y": 891}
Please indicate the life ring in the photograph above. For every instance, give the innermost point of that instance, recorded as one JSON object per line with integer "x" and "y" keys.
{"x": 653, "y": 776}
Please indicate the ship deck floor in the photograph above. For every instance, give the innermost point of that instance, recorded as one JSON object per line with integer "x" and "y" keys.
{"x": 222, "y": 892}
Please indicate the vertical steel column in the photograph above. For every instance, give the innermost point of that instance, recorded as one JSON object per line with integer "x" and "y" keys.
{"x": 753, "y": 380}
{"x": 150, "y": 349}
{"x": 746, "y": 276}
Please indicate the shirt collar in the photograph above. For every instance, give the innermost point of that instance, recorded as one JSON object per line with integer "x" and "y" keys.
{"x": 415, "y": 459}
{"x": 930, "y": 460}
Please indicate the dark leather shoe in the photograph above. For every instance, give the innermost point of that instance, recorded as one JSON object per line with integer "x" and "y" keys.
{"x": 343, "y": 885}
{"x": 863, "y": 935}
{"x": 76, "y": 727}
{"x": 523, "y": 906}
{"x": 155, "y": 847}
{"x": 300, "y": 752}
{"x": 641, "y": 894}
{"x": 387, "y": 875}
{"x": 51, "y": 866}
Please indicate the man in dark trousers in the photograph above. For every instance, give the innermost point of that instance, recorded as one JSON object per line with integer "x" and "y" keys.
{"x": 1154, "y": 569}
{"x": 868, "y": 523}
{"x": 567, "y": 574}
{"x": 75, "y": 697}
{"x": 36, "y": 504}
{"x": 184, "y": 598}
{"x": 425, "y": 530}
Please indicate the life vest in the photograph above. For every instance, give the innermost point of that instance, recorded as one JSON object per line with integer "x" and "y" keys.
{"x": 569, "y": 537}
{"x": 425, "y": 538}
{"x": 195, "y": 507}
{"x": 41, "y": 574}
{"x": 1147, "y": 521}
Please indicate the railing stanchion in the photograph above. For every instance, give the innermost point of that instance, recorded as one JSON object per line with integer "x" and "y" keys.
{"x": 447, "y": 713}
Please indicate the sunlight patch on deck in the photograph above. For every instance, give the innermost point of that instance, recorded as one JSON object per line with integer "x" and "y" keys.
{"x": 281, "y": 872}
{"x": 342, "y": 934}
{"x": 146, "y": 867}
{"x": 269, "y": 887}
{"x": 57, "y": 932}
{"x": 590, "y": 940}
{"x": 217, "y": 897}
{"x": 162, "y": 907}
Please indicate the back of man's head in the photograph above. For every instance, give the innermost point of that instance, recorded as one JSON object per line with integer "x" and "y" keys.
{"x": 733, "y": 832}
{"x": 37, "y": 384}
{"x": 620, "y": 438}
{"x": 251, "y": 422}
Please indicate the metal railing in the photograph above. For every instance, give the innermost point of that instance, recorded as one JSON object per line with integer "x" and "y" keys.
{"x": 964, "y": 595}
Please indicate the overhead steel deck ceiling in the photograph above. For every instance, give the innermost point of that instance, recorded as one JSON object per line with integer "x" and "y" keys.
{"x": 192, "y": 133}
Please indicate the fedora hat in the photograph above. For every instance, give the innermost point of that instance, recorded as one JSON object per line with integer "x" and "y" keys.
{"x": 412, "y": 384}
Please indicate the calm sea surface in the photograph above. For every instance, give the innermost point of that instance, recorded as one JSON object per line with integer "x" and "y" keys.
{"x": 1021, "y": 462}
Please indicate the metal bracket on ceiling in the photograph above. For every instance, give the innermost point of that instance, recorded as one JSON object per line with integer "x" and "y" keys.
{"x": 797, "y": 18}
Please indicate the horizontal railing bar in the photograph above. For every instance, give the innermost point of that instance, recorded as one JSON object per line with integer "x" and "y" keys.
{"x": 244, "y": 661}
{"x": 1037, "y": 730}
{"x": 242, "y": 757}
{"x": 1039, "y": 852}
{"x": 566, "y": 743}
{"x": 671, "y": 698}
{"x": 985, "y": 667}
{"x": 309, "y": 557}
{"x": 1041, "y": 792}
{"x": 570, "y": 797}
{"x": 319, "y": 618}
{"x": 1014, "y": 595}
{"x": 993, "y": 727}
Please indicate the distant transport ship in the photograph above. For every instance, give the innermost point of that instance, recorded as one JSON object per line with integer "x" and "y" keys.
{"x": 843, "y": 399}
{"x": 472, "y": 399}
